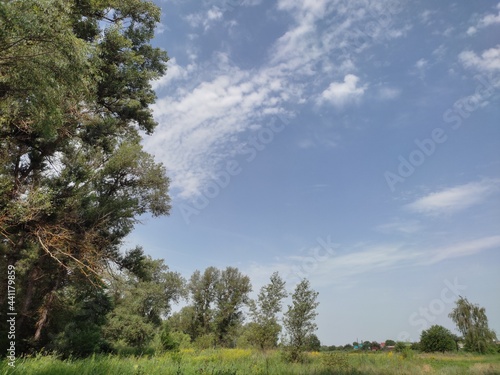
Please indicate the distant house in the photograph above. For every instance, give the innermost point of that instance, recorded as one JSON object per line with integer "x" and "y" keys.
{"x": 386, "y": 347}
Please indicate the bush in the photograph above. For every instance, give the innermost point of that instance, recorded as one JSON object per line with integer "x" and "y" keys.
{"x": 437, "y": 339}
{"x": 167, "y": 341}
{"x": 400, "y": 346}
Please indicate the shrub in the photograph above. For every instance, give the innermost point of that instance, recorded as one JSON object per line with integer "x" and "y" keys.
{"x": 336, "y": 361}
{"x": 400, "y": 346}
{"x": 437, "y": 339}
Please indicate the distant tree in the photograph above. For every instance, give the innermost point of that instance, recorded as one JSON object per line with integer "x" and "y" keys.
{"x": 390, "y": 343}
{"x": 348, "y": 347}
{"x": 299, "y": 318}
{"x": 328, "y": 348}
{"x": 437, "y": 339}
{"x": 375, "y": 345}
{"x": 313, "y": 343}
{"x": 366, "y": 345}
{"x": 265, "y": 330}
{"x": 185, "y": 321}
{"x": 472, "y": 322}
{"x": 355, "y": 344}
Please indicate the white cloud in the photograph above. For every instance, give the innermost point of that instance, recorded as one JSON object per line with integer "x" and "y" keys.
{"x": 351, "y": 28}
{"x": 402, "y": 226}
{"x": 174, "y": 72}
{"x": 205, "y": 18}
{"x": 485, "y": 21}
{"x": 341, "y": 93}
{"x": 488, "y": 61}
{"x": 455, "y": 199}
{"x": 197, "y": 127}
{"x": 202, "y": 121}
{"x": 344, "y": 266}
{"x": 471, "y": 30}
{"x": 463, "y": 249}
{"x": 421, "y": 64}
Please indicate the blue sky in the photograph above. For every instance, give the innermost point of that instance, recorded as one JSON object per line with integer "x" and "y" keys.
{"x": 355, "y": 143}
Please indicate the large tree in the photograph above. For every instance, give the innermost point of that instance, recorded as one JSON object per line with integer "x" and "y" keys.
{"x": 231, "y": 294}
{"x": 472, "y": 322}
{"x": 203, "y": 290}
{"x": 215, "y": 313}
{"x": 300, "y": 316}
{"x": 264, "y": 311}
{"x": 74, "y": 99}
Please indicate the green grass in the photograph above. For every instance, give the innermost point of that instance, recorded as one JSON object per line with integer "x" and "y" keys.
{"x": 243, "y": 361}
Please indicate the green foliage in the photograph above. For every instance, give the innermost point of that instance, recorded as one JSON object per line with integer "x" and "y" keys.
{"x": 299, "y": 318}
{"x": 337, "y": 362}
{"x": 375, "y": 345}
{"x": 400, "y": 346}
{"x": 312, "y": 343}
{"x": 81, "y": 318}
{"x": 75, "y": 94}
{"x": 472, "y": 322}
{"x": 140, "y": 302}
{"x": 217, "y": 299}
{"x": 416, "y": 346}
{"x": 167, "y": 340}
{"x": 390, "y": 342}
{"x": 366, "y": 345}
{"x": 237, "y": 361}
{"x": 206, "y": 341}
{"x": 265, "y": 329}
{"x": 437, "y": 339}
{"x": 231, "y": 294}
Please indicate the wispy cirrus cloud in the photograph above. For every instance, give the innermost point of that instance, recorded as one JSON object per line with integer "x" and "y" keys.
{"x": 454, "y": 199}
{"x": 198, "y": 128}
{"x": 462, "y": 249}
{"x": 401, "y": 226}
{"x": 352, "y": 262}
{"x": 205, "y": 109}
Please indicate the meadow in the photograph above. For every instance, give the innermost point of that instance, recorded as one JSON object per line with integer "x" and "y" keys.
{"x": 246, "y": 361}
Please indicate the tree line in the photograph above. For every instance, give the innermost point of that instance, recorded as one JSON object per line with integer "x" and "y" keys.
{"x": 471, "y": 321}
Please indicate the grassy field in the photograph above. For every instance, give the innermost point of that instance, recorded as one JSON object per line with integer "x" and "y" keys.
{"x": 242, "y": 362}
